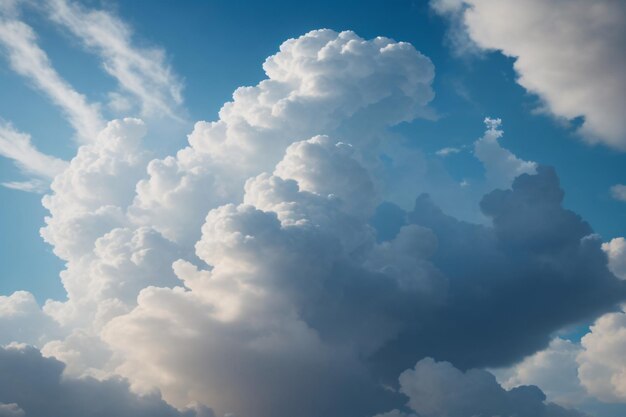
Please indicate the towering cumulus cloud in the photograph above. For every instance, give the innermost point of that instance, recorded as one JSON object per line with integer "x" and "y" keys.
{"x": 249, "y": 273}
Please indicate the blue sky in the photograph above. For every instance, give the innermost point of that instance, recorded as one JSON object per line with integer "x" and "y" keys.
{"x": 134, "y": 218}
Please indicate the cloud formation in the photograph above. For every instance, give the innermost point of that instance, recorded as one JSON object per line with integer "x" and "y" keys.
{"x": 250, "y": 271}
{"x": 31, "y": 385}
{"x": 547, "y": 39}
{"x": 437, "y": 389}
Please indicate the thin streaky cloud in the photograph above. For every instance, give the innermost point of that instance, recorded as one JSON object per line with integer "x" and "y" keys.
{"x": 19, "y": 42}
{"x": 141, "y": 72}
{"x": 42, "y": 168}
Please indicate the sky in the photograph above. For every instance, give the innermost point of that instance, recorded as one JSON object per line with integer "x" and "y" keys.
{"x": 359, "y": 208}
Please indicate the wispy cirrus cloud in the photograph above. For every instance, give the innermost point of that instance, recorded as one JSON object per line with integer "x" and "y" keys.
{"x": 19, "y": 43}
{"x": 41, "y": 168}
{"x": 142, "y": 73}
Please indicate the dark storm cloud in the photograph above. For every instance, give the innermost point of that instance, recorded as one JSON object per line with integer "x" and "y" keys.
{"x": 512, "y": 285}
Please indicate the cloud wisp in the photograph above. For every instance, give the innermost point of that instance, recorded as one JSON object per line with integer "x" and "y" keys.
{"x": 41, "y": 168}
{"x": 142, "y": 73}
{"x": 19, "y": 43}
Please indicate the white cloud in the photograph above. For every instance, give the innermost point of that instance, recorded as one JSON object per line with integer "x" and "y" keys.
{"x": 21, "y": 320}
{"x": 18, "y": 147}
{"x": 448, "y": 151}
{"x": 19, "y": 42}
{"x": 501, "y": 165}
{"x": 618, "y": 192}
{"x": 568, "y": 52}
{"x": 11, "y": 410}
{"x": 554, "y": 369}
{"x": 321, "y": 83}
{"x": 141, "y": 72}
{"x": 616, "y": 252}
{"x": 602, "y": 363}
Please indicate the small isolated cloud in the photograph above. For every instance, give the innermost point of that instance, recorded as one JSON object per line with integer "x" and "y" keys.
{"x": 448, "y": 151}
{"x": 501, "y": 165}
{"x": 546, "y": 40}
{"x": 618, "y": 192}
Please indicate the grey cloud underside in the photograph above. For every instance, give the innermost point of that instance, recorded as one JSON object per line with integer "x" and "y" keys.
{"x": 511, "y": 286}
{"x": 32, "y": 386}
{"x": 437, "y": 389}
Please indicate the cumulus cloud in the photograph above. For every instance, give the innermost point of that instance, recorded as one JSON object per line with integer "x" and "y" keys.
{"x": 535, "y": 250}
{"x": 19, "y": 42}
{"x": 438, "y": 389}
{"x": 245, "y": 272}
{"x": 615, "y": 249}
{"x": 142, "y": 73}
{"x": 554, "y": 369}
{"x": 602, "y": 367}
{"x": 546, "y": 40}
{"x": 21, "y": 320}
{"x": 321, "y": 83}
{"x": 31, "y": 385}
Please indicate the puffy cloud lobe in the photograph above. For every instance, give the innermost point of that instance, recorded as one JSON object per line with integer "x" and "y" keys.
{"x": 602, "y": 368}
{"x": 547, "y": 38}
{"x": 437, "y": 389}
{"x": 615, "y": 249}
{"x": 323, "y": 82}
{"x": 554, "y": 369}
{"x": 536, "y": 251}
{"x": 283, "y": 298}
{"x": 31, "y": 385}
{"x": 21, "y": 320}
{"x": 112, "y": 165}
